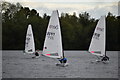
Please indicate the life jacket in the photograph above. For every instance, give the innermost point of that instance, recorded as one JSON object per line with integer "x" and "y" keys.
{"x": 63, "y": 59}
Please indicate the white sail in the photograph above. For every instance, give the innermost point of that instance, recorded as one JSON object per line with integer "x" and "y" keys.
{"x": 53, "y": 42}
{"x": 29, "y": 43}
{"x": 97, "y": 45}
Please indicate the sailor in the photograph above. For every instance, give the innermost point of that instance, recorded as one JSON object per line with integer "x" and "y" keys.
{"x": 63, "y": 60}
{"x": 36, "y": 54}
{"x": 105, "y": 58}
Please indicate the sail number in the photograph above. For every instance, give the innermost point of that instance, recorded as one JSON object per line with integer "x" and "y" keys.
{"x": 29, "y": 34}
{"x": 50, "y": 35}
{"x": 100, "y": 29}
{"x": 96, "y": 36}
{"x": 53, "y": 26}
{"x": 27, "y": 41}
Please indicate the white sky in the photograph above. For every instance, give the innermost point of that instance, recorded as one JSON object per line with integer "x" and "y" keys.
{"x": 62, "y": 0}
{"x": 95, "y": 8}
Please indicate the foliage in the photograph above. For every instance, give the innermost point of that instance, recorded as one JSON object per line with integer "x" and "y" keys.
{"x": 76, "y": 31}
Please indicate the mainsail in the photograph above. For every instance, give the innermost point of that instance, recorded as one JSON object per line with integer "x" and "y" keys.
{"x": 97, "y": 45}
{"x": 29, "y": 43}
{"x": 53, "y": 41}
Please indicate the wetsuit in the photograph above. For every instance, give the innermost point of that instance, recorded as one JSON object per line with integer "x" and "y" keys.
{"x": 36, "y": 54}
{"x": 105, "y": 58}
{"x": 63, "y": 60}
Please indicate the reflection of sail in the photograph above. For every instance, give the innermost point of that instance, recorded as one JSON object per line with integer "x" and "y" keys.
{"x": 53, "y": 43}
{"x": 29, "y": 43}
{"x": 97, "y": 45}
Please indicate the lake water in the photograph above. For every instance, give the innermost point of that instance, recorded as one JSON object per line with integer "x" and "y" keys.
{"x": 17, "y": 65}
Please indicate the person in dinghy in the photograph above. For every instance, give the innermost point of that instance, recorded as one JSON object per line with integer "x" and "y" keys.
{"x": 37, "y": 55}
{"x": 105, "y": 58}
{"x": 63, "y": 60}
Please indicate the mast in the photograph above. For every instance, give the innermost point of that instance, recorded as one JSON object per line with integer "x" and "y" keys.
{"x": 105, "y": 35}
{"x": 63, "y": 55}
{"x": 61, "y": 36}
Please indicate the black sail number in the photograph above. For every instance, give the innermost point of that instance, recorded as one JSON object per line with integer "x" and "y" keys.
{"x": 50, "y": 35}
{"x": 96, "y": 36}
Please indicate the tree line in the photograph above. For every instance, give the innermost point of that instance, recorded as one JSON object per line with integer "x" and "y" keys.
{"x": 76, "y": 31}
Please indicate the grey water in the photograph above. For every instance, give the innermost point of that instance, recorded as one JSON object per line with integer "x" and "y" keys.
{"x": 17, "y": 65}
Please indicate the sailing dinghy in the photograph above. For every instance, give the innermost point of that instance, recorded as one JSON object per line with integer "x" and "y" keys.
{"x": 53, "y": 41}
{"x": 98, "y": 43}
{"x": 29, "y": 42}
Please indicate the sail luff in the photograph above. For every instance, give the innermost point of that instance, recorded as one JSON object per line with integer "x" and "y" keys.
{"x": 104, "y": 36}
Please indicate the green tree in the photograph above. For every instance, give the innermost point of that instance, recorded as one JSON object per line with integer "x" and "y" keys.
{"x": 76, "y": 31}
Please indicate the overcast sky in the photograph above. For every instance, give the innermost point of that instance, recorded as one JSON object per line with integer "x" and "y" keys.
{"x": 95, "y": 8}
